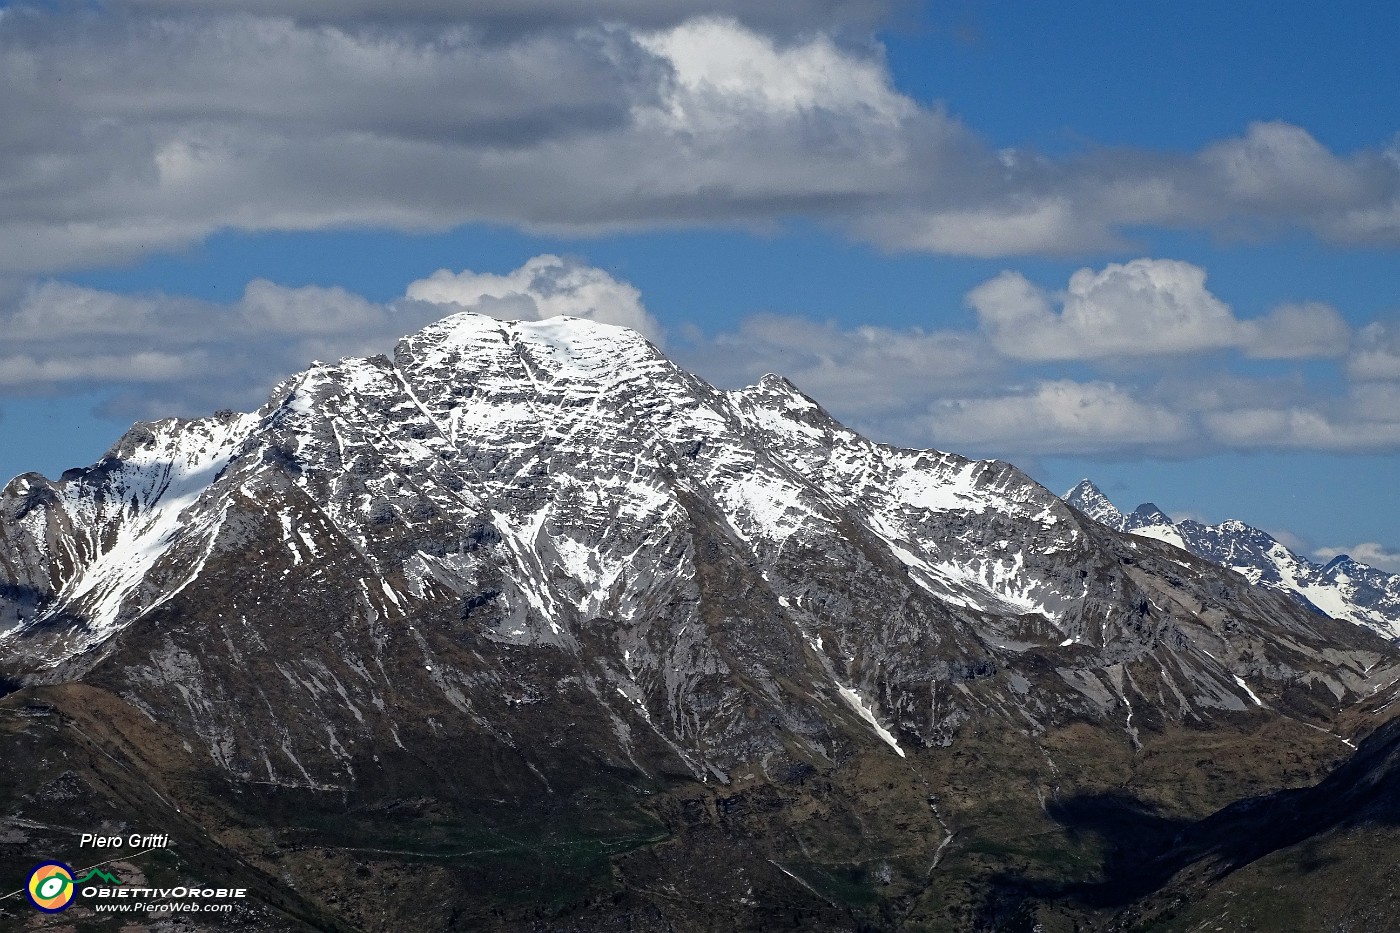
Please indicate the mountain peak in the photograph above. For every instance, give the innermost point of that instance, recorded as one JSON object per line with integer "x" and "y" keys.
{"x": 561, "y": 336}
{"x": 1089, "y": 499}
{"x": 779, "y": 393}
{"x": 1149, "y": 514}
{"x": 470, "y": 352}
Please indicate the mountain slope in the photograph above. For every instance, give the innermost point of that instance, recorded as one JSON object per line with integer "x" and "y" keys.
{"x": 1309, "y": 858}
{"x": 1343, "y": 588}
{"x": 529, "y": 594}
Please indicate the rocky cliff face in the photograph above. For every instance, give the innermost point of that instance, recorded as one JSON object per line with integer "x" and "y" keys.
{"x": 539, "y": 570}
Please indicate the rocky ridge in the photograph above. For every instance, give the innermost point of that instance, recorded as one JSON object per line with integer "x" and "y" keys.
{"x": 1342, "y": 588}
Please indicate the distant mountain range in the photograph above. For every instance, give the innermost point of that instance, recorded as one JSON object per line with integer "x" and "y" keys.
{"x": 1342, "y": 588}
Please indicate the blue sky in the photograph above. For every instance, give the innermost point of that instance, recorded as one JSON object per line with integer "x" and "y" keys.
{"x": 1154, "y": 244}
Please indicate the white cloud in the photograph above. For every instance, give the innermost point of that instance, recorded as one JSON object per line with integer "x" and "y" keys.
{"x": 145, "y": 366}
{"x": 270, "y": 308}
{"x": 1146, "y": 307}
{"x": 723, "y": 73}
{"x": 1016, "y": 226}
{"x": 199, "y": 123}
{"x": 1368, "y": 552}
{"x": 949, "y": 390}
{"x": 952, "y": 389}
{"x": 177, "y": 355}
{"x": 1334, "y": 428}
{"x": 1285, "y": 537}
{"x": 1297, "y": 331}
{"x": 545, "y": 286}
{"x": 1375, "y": 224}
{"x": 527, "y": 14}
{"x": 192, "y": 356}
{"x": 1276, "y": 164}
{"x": 1276, "y": 177}
{"x": 177, "y": 119}
{"x": 1057, "y": 417}
{"x": 1377, "y": 353}
{"x": 1142, "y": 308}
{"x": 64, "y": 311}
{"x": 870, "y": 376}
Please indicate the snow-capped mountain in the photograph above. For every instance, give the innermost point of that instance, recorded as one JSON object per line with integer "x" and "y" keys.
{"x": 537, "y": 478}
{"x": 1342, "y": 588}
{"x": 536, "y": 575}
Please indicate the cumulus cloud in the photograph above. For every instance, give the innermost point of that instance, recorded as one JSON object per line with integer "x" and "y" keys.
{"x": 174, "y": 119}
{"x": 187, "y": 125}
{"x": 1274, "y": 177}
{"x": 1045, "y": 223}
{"x": 1057, "y": 417}
{"x": 1296, "y": 331}
{"x": 954, "y": 390}
{"x": 871, "y": 376}
{"x": 1366, "y": 421}
{"x": 1368, "y": 552}
{"x": 973, "y": 390}
{"x": 1141, "y": 308}
{"x": 1276, "y": 166}
{"x": 545, "y": 286}
{"x": 128, "y": 367}
{"x": 270, "y": 308}
{"x": 176, "y": 355}
{"x": 515, "y": 15}
{"x": 171, "y": 354}
{"x": 950, "y": 389}
{"x": 1146, "y": 307}
{"x": 721, "y": 72}
{"x": 1377, "y": 352}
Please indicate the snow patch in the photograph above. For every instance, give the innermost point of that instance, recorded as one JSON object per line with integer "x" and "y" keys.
{"x": 1240, "y": 680}
{"x": 856, "y": 703}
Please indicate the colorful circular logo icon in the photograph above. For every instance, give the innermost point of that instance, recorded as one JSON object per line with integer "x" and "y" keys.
{"x": 50, "y": 887}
